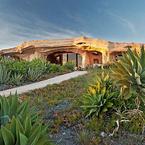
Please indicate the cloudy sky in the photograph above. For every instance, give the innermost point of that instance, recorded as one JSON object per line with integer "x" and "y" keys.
{"x": 115, "y": 20}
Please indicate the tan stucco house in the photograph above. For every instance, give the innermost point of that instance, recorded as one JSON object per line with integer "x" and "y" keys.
{"x": 82, "y": 51}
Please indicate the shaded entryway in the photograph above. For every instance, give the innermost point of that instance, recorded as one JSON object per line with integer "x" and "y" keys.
{"x": 96, "y": 57}
{"x": 115, "y": 55}
{"x": 55, "y": 58}
{"x": 79, "y": 58}
{"x": 64, "y": 57}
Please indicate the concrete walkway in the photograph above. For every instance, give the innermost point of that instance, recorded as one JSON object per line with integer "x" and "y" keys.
{"x": 42, "y": 84}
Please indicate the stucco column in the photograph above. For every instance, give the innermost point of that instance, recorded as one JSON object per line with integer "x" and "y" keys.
{"x": 85, "y": 59}
{"x": 35, "y": 55}
{"x": 105, "y": 57}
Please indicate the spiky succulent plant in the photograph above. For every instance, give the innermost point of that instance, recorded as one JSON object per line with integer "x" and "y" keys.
{"x": 100, "y": 97}
{"x": 19, "y": 125}
{"x": 129, "y": 73}
{"x": 4, "y": 74}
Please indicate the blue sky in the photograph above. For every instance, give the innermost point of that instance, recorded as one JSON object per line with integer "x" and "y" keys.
{"x": 115, "y": 20}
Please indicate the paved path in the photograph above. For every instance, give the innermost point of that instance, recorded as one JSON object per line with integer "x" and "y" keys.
{"x": 42, "y": 84}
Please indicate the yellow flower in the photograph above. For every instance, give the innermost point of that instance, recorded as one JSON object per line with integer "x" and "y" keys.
{"x": 92, "y": 90}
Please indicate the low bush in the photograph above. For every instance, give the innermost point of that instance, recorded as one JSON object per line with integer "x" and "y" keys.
{"x": 17, "y": 67}
{"x": 69, "y": 66}
{"x": 34, "y": 74}
{"x": 38, "y": 65}
{"x": 53, "y": 68}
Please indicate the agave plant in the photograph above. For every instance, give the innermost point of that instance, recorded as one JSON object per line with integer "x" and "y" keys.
{"x": 16, "y": 79}
{"x": 19, "y": 126}
{"x": 18, "y": 132}
{"x": 4, "y": 74}
{"x": 34, "y": 74}
{"x": 38, "y": 64}
{"x": 11, "y": 106}
{"x": 129, "y": 73}
{"x": 18, "y": 67}
{"x": 100, "y": 97}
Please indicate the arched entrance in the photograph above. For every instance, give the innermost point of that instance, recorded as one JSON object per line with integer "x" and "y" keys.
{"x": 55, "y": 58}
{"x": 115, "y": 55}
{"x": 81, "y": 58}
{"x": 96, "y": 57}
{"x": 64, "y": 57}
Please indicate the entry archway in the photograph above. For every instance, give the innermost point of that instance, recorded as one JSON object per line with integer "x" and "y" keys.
{"x": 81, "y": 58}
{"x": 61, "y": 57}
{"x": 115, "y": 55}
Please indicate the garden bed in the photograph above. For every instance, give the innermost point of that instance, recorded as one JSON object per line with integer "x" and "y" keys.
{"x": 43, "y": 77}
{"x": 17, "y": 73}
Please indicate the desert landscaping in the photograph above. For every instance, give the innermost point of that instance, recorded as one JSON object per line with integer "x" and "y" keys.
{"x": 48, "y": 101}
{"x": 72, "y": 72}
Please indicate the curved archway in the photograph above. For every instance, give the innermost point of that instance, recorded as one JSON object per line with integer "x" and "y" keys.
{"x": 114, "y": 55}
{"x": 61, "y": 57}
{"x": 81, "y": 58}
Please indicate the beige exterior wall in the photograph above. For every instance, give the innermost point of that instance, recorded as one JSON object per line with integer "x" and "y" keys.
{"x": 85, "y": 47}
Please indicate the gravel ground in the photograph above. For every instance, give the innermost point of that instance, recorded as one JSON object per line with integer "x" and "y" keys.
{"x": 66, "y": 135}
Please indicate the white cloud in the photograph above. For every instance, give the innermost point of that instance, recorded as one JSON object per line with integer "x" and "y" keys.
{"x": 16, "y": 29}
{"x": 124, "y": 21}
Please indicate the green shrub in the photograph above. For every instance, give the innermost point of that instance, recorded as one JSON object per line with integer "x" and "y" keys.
{"x": 34, "y": 74}
{"x": 38, "y": 64}
{"x": 5, "y": 60}
{"x": 17, "y": 67}
{"x": 69, "y": 66}
{"x": 16, "y": 79}
{"x": 53, "y": 68}
{"x": 4, "y": 74}
{"x": 36, "y": 69}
